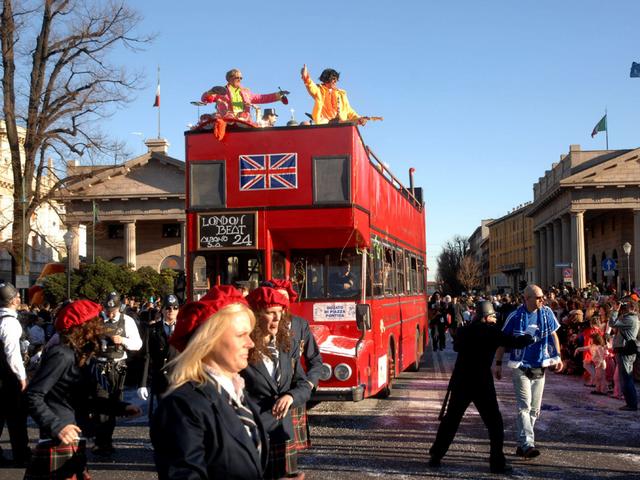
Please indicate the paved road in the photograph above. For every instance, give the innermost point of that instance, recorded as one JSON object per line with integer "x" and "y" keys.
{"x": 581, "y": 436}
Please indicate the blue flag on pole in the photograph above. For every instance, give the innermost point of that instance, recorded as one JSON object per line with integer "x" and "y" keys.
{"x": 635, "y": 70}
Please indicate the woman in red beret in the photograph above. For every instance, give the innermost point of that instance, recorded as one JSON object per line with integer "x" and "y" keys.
{"x": 275, "y": 380}
{"x": 59, "y": 395}
{"x": 206, "y": 427}
{"x": 304, "y": 346}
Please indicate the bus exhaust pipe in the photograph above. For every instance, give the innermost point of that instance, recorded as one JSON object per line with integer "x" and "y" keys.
{"x": 411, "y": 172}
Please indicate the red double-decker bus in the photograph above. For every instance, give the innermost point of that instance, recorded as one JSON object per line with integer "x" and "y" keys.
{"x": 314, "y": 204}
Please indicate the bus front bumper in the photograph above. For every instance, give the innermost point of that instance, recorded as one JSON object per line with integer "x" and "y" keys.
{"x": 338, "y": 393}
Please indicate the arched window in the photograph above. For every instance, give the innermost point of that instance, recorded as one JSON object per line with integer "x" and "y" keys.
{"x": 603, "y": 257}
{"x": 171, "y": 262}
{"x": 594, "y": 269}
{"x": 199, "y": 277}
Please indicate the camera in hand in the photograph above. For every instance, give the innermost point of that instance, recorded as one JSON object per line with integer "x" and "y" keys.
{"x": 107, "y": 344}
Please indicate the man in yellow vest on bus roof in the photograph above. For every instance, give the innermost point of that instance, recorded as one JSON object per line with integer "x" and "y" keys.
{"x": 331, "y": 103}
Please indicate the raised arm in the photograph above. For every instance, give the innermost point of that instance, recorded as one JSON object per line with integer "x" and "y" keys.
{"x": 312, "y": 88}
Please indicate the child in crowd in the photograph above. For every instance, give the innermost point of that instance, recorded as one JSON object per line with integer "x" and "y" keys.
{"x": 598, "y": 353}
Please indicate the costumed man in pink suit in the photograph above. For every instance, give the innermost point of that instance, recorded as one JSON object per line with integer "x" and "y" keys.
{"x": 233, "y": 103}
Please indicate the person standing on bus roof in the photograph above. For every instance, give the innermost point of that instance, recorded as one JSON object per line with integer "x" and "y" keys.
{"x": 472, "y": 381}
{"x": 331, "y": 102}
{"x": 269, "y": 118}
{"x": 234, "y": 101}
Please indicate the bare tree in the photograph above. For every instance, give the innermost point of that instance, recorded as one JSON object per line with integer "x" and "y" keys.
{"x": 57, "y": 84}
{"x": 469, "y": 273}
{"x": 449, "y": 262}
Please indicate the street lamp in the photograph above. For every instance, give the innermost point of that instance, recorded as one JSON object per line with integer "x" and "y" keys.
{"x": 627, "y": 249}
{"x": 68, "y": 241}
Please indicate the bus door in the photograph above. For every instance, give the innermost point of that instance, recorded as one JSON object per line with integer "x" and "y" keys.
{"x": 242, "y": 268}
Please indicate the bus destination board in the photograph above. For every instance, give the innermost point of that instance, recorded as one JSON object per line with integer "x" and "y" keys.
{"x": 227, "y": 230}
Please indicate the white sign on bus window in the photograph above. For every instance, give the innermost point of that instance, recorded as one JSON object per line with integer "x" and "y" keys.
{"x": 334, "y": 312}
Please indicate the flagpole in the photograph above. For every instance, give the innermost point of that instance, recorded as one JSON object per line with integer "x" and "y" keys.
{"x": 607, "y": 126}
{"x": 93, "y": 233}
{"x": 158, "y": 105}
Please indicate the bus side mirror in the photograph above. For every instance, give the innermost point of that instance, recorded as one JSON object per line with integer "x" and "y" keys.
{"x": 363, "y": 316}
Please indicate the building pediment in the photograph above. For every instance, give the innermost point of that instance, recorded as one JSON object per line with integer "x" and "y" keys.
{"x": 620, "y": 170}
{"x": 151, "y": 175}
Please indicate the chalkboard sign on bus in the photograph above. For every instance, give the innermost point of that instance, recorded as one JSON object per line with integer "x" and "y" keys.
{"x": 235, "y": 230}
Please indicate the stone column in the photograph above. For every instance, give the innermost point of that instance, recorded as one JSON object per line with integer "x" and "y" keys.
{"x": 557, "y": 250}
{"x": 543, "y": 258}
{"x": 183, "y": 244}
{"x": 566, "y": 238}
{"x": 550, "y": 256}
{"x": 74, "y": 254}
{"x": 537, "y": 247}
{"x": 635, "y": 253}
{"x": 130, "y": 243}
{"x": 577, "y": 249}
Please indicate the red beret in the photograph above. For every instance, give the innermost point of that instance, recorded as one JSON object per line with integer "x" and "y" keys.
{"x": 264, "y": 297}
{"x": 76, "y": 313}
{"x": 281, "y": 284}
{"x": 194, "y": 314}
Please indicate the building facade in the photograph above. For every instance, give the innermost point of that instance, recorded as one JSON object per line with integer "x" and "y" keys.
{"x": 511, "y": 251}
{"x": 479, "y": 250}
{"x": 133, "y": 213}
{"x": 585, "y": 208}
{"x": 45, "y": 241}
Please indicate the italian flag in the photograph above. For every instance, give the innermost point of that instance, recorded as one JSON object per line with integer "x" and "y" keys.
{"x": 600, "y": 127}
{"x": 156, "y": 102}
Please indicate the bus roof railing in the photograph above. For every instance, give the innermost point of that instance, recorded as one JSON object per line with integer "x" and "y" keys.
{"x": 382, "y": 168}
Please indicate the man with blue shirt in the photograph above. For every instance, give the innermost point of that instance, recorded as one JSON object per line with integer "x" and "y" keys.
{"x": 528, "y": 364}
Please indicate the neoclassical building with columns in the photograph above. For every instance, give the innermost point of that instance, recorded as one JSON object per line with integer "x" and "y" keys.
{"x": 139, "y": 207}
{"x": 585, "y": 208}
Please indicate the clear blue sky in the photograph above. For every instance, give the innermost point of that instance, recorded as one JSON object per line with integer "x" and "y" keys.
{"x": 480, "y": 97}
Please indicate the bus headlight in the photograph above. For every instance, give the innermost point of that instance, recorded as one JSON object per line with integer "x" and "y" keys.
{"x": 342, "y": 372}
{"x": 325, "y": 372}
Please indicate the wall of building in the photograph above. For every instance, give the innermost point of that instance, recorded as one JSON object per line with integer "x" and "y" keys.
{"x": 46, "y": 242}
{"x": 606, "y": 234}
{"x": 151, "y": 247}
{"x": 511, "y": 250}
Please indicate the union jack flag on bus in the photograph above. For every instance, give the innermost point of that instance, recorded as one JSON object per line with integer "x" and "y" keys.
{"x": 277, "y": 171}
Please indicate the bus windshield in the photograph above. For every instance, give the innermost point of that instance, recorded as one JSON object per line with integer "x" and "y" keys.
{"x": 327, "y": 273}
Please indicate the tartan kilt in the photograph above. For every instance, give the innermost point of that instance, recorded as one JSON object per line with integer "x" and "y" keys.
{"x": 301, "y": 436}
{"x": 52, "y": 461}
{"x": 283, "y": 460}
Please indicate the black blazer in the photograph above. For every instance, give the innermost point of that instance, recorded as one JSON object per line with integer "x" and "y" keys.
{"x": 305, "y": 343}
{"x": 196, "y": 434}
{"x": 264, "y": 391}
{"x": 61, "y": 393}
{"x": 157, "y": 354}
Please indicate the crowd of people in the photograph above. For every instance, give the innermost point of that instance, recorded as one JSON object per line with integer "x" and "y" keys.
{"x": 225, "y": 383}
{"x": 222, "y": 376}
{"x": 570, "y": 331}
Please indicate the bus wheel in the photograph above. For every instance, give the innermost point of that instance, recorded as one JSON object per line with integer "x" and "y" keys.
{"x": 391, "y": 372}
{"x": 415, "y": 366}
